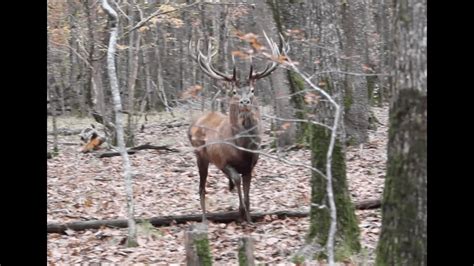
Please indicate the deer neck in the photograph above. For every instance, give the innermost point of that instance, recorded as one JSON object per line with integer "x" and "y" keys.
{"x": 245, "y": 126}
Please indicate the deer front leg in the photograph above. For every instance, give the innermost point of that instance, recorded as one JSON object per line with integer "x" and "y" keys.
{"x": 237, "y": 179}
{"x": 246, "y": 183}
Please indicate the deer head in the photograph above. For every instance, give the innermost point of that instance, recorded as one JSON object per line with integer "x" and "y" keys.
{"x": 242, "y": 102}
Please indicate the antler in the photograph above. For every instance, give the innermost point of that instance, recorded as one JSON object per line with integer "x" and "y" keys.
{"x": 275, "y": 56}
{"x": 205, "y": 63}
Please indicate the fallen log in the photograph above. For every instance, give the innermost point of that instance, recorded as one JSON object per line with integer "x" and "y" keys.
{"x": 66, "y": 131}
{"x": 176, "y": 125}
{"x": 219, "y": 217}
{"x": 113, "y": 153}
{"x": 66, "y": 143}
{"x": 153, "y": 147}
{"x": 368, "y": 204}
{"x": 133, "y": 150}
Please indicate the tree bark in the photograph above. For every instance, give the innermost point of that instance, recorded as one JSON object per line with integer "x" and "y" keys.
{"x": 356, "y": 104}
{"x": 75, "y": 74}
{"x": 347, "y": 235}
{"x": 146, "y": 102}
{"x": 403, "y": 238}
{"x": 280, "y": 88}
{"x": 134, "y": 46}
{"x": 290, "y": 15}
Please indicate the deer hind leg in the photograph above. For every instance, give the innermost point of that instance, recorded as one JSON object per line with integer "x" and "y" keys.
{"x": 230, "y": 171}
{"x": 203, "y": 165}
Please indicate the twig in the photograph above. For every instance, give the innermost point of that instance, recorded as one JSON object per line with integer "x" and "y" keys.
{"x": 154, "y": 14}
{"x": 297, "y": 120}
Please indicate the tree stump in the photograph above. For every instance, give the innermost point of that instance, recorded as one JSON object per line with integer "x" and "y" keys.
{"x": 196, "y": 242}
{"x": 245, "y": 252}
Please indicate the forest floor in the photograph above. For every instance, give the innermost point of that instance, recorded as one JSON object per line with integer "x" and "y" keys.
{"x": 84, "y": 187}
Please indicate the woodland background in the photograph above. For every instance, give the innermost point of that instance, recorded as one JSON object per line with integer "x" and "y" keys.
{"x": 356, "y": 50}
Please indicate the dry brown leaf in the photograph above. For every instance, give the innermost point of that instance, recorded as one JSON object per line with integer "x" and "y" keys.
{"x": 240, "y": 54}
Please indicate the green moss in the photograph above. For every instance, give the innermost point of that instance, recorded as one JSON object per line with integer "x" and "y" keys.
{"x": 132, "y": 243}
{"x": 203, "y": 251}
{"x": 370, "y": 89}
{"x": 348, "y": 99}
{"x": 297, "y": 84}
{"x": 350, "y": 141}
{"x": 343, "y": 252}
{"x": 242, "y": 258}
{"x": 347, "y": 229}
{"x": 328, "y": 85}
{"x": 298, "y": 259}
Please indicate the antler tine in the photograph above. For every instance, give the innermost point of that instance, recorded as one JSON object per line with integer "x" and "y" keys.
{"x": 275, "y": 55}
{"x": 206, "y": 65}
{"x": 285, "y": 46}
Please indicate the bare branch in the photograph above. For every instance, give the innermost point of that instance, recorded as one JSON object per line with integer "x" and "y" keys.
{"x": 75, "y": 52}
{"x": 297, "y": 120}
{"x": 154, "y": 14}
{"x": 347, "y": 73}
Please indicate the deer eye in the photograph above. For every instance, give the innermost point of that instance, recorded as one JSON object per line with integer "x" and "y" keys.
{"x": 251, "y": 90}
{"x": 234, "y": 92}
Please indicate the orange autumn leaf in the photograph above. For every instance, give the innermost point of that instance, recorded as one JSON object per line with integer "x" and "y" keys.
{"x": 285, "y": 126}
{"x": 191, "y": 92}
{"x": 240, "y": 54}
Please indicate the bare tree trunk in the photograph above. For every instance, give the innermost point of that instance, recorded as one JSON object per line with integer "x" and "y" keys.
{"x": 333, "y": 223}
{"x": 278, "y": 80}
{"x": 204, "y": 79}
{"x": 403, "y": 238}
{"x": 159, "y": 87}
{"x": 132, "y": 230}
{"x": 383, "y": 22}
{"x": 356, "y": 104}
{"x": 95, "y": 76}
{"x": 224, "y": 43}
{"x": 147, "y": 99}
{"x": 53, "y": 107}
{"x": 134, "y": 46}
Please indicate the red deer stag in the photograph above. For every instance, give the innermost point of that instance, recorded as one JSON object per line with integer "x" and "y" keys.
{"x": 217, "y": 137}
